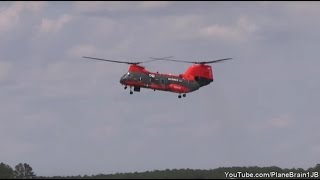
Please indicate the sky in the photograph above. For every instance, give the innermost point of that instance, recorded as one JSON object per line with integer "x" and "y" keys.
{"x": 66, "y": 115}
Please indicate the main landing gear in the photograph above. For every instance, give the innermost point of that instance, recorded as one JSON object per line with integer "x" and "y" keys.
{"x": 184, "y": 95}
{"x": 131, "y": 92}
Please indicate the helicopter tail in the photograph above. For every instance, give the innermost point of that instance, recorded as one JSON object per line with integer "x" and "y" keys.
{"x": 199, "y": 72}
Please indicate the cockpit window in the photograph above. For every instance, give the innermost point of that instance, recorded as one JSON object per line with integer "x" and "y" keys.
{"x": 127, "y": 75}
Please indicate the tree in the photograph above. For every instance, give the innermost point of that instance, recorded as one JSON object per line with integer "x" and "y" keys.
{"x": 24, "y": 171}
{"x": 6, "y": 172}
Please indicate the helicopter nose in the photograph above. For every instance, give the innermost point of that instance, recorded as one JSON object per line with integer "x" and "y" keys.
{"x": 122, "y": 80}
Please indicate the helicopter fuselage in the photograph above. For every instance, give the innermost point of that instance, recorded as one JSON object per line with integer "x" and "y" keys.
{"x": 138, "y": 77}
{"x": 197, "y": 75}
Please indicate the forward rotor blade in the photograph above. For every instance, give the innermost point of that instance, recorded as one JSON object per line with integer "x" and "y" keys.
{"x": 107, "y": 60}
{"x": 157, "y": 59}
{"x": 124, "y": 62}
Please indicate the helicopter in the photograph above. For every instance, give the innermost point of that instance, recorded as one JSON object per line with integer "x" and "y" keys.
{"x": 199, "y": 74}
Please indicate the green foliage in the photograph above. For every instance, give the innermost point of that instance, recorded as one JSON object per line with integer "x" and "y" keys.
{"x": 6, "y": 172}
{"x": 219, "y": 173}
{"x": 24, "y": 171}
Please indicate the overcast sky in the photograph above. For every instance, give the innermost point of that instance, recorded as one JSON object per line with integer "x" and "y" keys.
{"x": 65, "y": 115}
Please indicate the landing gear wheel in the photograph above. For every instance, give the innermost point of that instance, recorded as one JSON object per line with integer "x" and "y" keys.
{"x": 184, "y": 95}
{"x": 131, "y": 92}
{"x": 125, "y": 87}
{"x": 179, "y": 96}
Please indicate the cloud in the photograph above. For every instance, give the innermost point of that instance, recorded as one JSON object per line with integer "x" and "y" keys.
{"x": 242, "y": 30}
{"x": 34, "y": 6}
{"x": 10, "y": 15}
{"x": 101, "y": 6}
{"x": 281, "y": 121}
{"x": 54, "y": 26}
{"x": 316, "y": 149}
{"x": 154, "y": 4}
{"x": 198, "y": 27}
{"x": 113, "y": 6}
{"x": 302, "y": 7}
{"x": 82, "y": 50}
{"x": 186, "y": 21}
{"x": 4, "y": 70}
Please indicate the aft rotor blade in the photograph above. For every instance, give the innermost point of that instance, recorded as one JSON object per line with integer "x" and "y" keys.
{"x": 193, "y": 62}
{"x": 214, "y": 61}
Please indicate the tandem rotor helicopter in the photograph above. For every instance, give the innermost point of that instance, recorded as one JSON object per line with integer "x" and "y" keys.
{"x": 197, "y": 75}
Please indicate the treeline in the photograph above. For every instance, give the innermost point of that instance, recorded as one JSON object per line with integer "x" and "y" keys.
{"x": 219, "y": 173}
{"x": 21, "y": 171}
{"x": 24, "y": 171}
